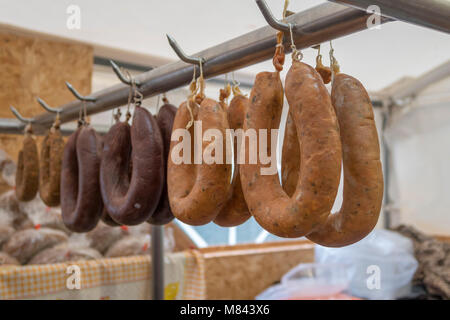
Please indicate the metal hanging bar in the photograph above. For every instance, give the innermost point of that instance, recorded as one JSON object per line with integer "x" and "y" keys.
{"x": 433, "y": 14}
{"x": 318, "y": 24}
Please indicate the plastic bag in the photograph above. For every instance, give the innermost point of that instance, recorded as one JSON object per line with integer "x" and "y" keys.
{"x": 24, "y": 244}
{"x": 75, "y": 249}
{"x": 381, "y": 266}
{"x": 310, "y": 281}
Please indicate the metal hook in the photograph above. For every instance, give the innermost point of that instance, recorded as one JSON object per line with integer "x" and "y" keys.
{"x": 79, "y": 96}
{"x": 47, "y": 107}
{"x": 274, "y": 23}
{"x": 183, "y": 56}
{"x": 20, "y": 117}
{"x": 120, "y": 75}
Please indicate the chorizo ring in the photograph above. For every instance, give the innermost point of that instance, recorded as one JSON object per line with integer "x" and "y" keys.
{"x": 50, "y": 167}
{"x": 27, "y": 174}
{"x": 235, "y": 211}
{"x": 164, "y": 118}
{"x": 81, "y": 202}
{"x": 197, "y": 192}
{"x": 320, "y": 152}
{"x": 132, "y": 169}
{"x": 363, "y": 176}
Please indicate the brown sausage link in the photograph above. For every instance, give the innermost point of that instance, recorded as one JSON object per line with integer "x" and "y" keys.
{"x": 197, "y": 192}
{"x": 81, "y": 202}
{"x": 290, "y": 161}
{"x": 164, "y": 118}
{"x": 235, "y": 211}
{"x": 363, "y": 176}
{"x": 131, "y": 198}
{"x": 320, "y": 152}
{"x": 50, "y": 168}
{"x": 27, "y": 175}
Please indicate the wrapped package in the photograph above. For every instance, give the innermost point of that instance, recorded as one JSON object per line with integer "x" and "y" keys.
{"x": 103, "y": 236}
{"x": 9, "y": 203}
{"x": 24, "y": 244}
{"x": 42, "y": 215}
{"x": 6, "y": 259}
{"x": 7, "y": 172}
{"x": 132, "y": 245}
{"x": 75, "y": 249}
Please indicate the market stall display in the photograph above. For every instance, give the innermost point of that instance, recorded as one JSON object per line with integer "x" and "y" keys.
{"x": 120, "y": 190}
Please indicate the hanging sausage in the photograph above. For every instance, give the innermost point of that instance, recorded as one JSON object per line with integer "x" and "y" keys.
{"x": 132, "y": 168}
{"x": 50, "y": 165}
{"x": 320, "y": 150}
{"x": 164, "y": 118}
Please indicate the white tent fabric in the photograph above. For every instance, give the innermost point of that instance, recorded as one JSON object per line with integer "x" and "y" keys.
{"x": 418, "y": 137}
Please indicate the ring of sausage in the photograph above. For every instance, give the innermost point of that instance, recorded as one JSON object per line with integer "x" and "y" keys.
{"x": 131, "y": 169}
{"x": 363, "y": 176}
{"x": 235, "y": 211}
{"x": 27, "y": 174}
{"x": 81, "y": 202}
{"x": 320, "y": 152}
{"x": 50, "y": 167}
{"x": 164, "y": 118}
{"x": 197, "y": 192}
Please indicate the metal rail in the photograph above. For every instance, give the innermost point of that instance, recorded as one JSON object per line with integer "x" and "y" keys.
{"x": 319, "y": 24}
{"x": 433, "y": 14}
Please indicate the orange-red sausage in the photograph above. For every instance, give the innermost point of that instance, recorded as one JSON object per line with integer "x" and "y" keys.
{"x": 363, "y": 176}
{"x": 320, "y": 152}
{"x": 197, "y": 192}
{"x": 235, "y": 211}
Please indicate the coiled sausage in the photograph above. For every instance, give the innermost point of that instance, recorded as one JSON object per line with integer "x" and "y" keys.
{"x": 363, "y": 176}
{"x": 81, "y": 202}
{"x": 320, "y": 152}
{"x": 132, "y": 169}
{"x": 235, "y": 211}
{"x": 197, "y": 192}
{"x": 164, "y": 118}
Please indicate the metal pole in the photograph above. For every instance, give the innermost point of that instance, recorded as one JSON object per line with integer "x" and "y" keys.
{"x": 318, "y": 24}
{"x": 158, "y": 262}
{"x": 433, "y": 14}
{"x": 12, "y": 126}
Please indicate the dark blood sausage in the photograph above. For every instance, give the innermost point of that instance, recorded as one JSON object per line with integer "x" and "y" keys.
{"x": 50, "y": 167}
{"x": 81, "y": 202}
{"x": 235, "y": 211}
{"x": 197, "y": 192}
{"x": 164, "y": 118}
{"x": 320, "y": 152}
{"x": 27, "y": 174}
{"x": 290, "y": 161}
{"x": 131, "y": 196}
{"x": 363, "y": 176}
